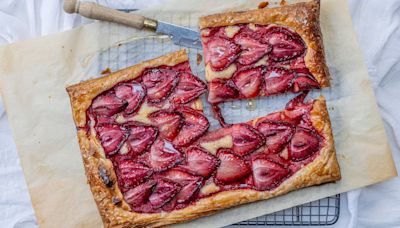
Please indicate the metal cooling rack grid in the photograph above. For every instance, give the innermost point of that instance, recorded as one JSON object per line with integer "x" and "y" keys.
{"x": 321, "y": 212}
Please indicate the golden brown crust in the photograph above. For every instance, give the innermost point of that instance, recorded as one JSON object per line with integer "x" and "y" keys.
{"x": 82, "y": 94}
{"x": 303, "y": 18}
{"x": 323, "y": 169}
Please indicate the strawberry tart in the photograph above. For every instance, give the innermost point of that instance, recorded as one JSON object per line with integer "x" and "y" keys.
{"x": 263, "y": 52}
{"x": 148, "y": 154}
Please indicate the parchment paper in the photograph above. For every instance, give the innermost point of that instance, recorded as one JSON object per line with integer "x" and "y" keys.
{"x": 34, "y": 73}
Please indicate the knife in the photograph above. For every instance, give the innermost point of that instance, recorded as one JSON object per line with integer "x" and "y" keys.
{"x": 179, "y": 35}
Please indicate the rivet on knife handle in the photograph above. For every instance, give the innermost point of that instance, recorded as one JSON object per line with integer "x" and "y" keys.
{"x": 99, "y": 12}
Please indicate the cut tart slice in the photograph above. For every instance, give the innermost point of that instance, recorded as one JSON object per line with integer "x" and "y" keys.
{"x": 263, "y": 52}
{"x": 150, "y": 160}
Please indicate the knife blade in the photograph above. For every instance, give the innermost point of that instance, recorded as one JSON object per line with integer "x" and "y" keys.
{"x": 180, "y": 35}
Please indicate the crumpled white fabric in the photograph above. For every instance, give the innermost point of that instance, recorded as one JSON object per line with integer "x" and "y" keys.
{"x": 378, "y": 29}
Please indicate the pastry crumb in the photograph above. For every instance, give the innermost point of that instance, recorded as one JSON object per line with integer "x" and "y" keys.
{"x": 199, "y": 59}
{"x": 106, "y": 71}
{"x": 262, "y": 5}
{"x": 283, "y": 2}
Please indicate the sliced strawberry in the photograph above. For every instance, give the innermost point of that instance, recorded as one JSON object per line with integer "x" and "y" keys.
{"x": 100, "y": 120}
{"x": 216, "y": 135}
{"x": 296, "y": 109}
{"x": 200, "y": 162}
{"x": 246, "y": 139}
{"x": 140, "y": 138}
{"x": 248, "y": 81}
{"x": 274, "y": 116}
{"x": 189, "y": 88}
{"x": 277, "y": 80}
{"x": 111, "y": 137}
{"x": 162, "y": 155}
{"x": 163, "y": 193}
{"x": 169, "y": 123}
{"x": 140, "y": 194}
{"x": 195, "y": 125}
{"x": 189, "y": 184}
{"x": 221, "y": 90}
{"x": 277, "y": 134}
{"x": 267, "y": 174}
{"x": 208, "y": 32}
{"x": 285, "y": 44}
{"x": 182, "y": 67}
{"x": 232, "y": 168}
{"x": 132, "y": 93}
{"x": 304, "y": 82}
{"x": 303, "y": 144}
{"x": 131, "y": 173}
{"x": 220, "y": 53}
{"x": 159, "y": 83}
{"x": 107, "y": 104}
{"x": 297, "y": 114}
{"x": 296, "y": 101}
{"x": 252, "y": 49}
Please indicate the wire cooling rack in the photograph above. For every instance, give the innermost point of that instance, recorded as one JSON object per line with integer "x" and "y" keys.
{"x": 321, "y": 212}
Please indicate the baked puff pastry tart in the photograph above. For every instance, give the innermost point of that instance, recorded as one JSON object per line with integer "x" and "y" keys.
{"x": 263, "y": 52}
{"x": 151, "y": 161}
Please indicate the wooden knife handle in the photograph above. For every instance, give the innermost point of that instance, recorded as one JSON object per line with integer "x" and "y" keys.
{"x": 98, "y": 12}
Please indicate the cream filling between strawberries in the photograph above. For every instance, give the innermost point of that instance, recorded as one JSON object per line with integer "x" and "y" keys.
{"x": 213, "y": 146}
{"x": 224, "y": 74}
{"x": 231, "y": 31}
{"x": 209, "y": 188}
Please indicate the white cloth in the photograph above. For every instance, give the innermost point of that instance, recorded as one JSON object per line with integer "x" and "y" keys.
{"x": 378, "y": 30}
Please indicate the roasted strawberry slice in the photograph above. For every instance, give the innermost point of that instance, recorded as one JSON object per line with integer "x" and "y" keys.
{"x": 163, "y": 193}
{"x": 303, "y": 144}
{"x": 111, "y": 137}
{"x": 277, "y": 80}
{"x": 169, "y": 123}
{"x": 246, "y": 139}
{"x": 248, "y": 81}
{"x": 189, "y": 183}
{"x": 131, "y": 173}
{"x": 267, "y": 174}
{"x": 296, "y": 101}
{"x": 232, "y": 168}
{"x": 100, "y": 120}
{"x": 107, "y": 104}
{"x": 189, "y": 88}
{"x": 162, "y": 155}
{"x": 220, "y": 53}
{"x": 195, "y": 125}
{"x": 140, "y": 138}
{"x": 277, "y": 134}
{"x": 285, "y": 44}
{"x": 296, "y": 109}
{"x": 304, "y": 82}
{"x": 140, "y": 194}
{"x": 159, "y": 83}
{"x": 132, "y": 93}
{"x": 200, "y": 162}
{"x": 221, "y": 90}
{"x": 182, "y": 67}
{"x": 252, "y": 49}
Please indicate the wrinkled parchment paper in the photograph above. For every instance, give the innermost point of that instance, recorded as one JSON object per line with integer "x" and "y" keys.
{"x": 34, "y": 73}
